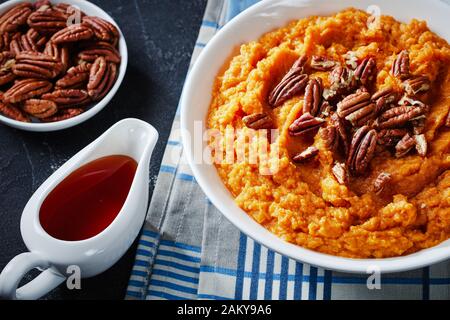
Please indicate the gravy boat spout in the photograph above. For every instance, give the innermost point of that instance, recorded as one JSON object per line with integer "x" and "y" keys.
{"x": 60, "y": 259}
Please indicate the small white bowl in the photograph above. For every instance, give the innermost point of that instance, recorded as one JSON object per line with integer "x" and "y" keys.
{"x": 91, "y": 10}
{"x": 250, "y": 25}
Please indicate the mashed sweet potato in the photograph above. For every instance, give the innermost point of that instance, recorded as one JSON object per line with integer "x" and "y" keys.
{"x": 304, "y": 204}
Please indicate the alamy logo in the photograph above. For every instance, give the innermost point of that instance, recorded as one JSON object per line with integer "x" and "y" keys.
{"x": 374, "y": 280}
{"x": 73, "y": 277}
{"x": 74, "y": 15}
{"x": 373, "y": 22}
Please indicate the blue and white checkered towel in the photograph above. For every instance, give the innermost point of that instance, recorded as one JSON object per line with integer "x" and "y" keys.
{"x": 188, "y": 250}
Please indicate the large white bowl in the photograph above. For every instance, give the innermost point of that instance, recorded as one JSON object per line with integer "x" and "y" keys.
{"x": 91, "y": 10}
{"x": 250, "y": 25}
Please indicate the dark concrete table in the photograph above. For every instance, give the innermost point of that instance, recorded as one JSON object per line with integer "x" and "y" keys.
{"x": 160, "y": 35}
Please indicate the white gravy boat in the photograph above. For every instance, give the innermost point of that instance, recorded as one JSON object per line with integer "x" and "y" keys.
{"x": 131, "y": 137}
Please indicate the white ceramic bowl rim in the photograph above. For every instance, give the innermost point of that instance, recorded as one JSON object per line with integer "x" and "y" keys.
{"x": 90, "y": 9}
{"x": 250, "y": 25}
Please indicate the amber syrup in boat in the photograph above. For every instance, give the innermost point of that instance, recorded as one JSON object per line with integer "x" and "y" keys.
{"x": 88, "y": 200}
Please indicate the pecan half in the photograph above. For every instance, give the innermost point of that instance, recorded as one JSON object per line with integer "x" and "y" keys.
{"x": 342, "y": 81}
{"x": 40, "y": 108}
{"x": 387, "y": 91}
{"x": 60, "y": 53}
{"x": 331, "y": 137}
{"x": 400, "y": 67}
{"x": 292, "y": 83}
{"x": 362, "y": 149}
{"x": 23, "y": 43}
{"x": 305, "y": 125}
{"x": 258, "y": 121}
{"x": 390, "y": 137}
{"x": 15, "y": 46}
{"x": 42, "y": 5}
{"x": 103, "y": 30}
{"x": 47, "y": 20}
{"x": 15, "y": 17}
{"x": 357, "y": 108}
{"x": 325, "y": 109}
{"x": 75, "y": 78}
{"x": 352, "y": 103}
{"x": 6, "y": 38}
{"x": 383, "y": 98}
{"x": 66, "y": 98}
{"x": 73, "y": 33}
{"x": 36, "y": 65}
{"x": 31, "y": 41}
{"x": 4, "y": 42}
{"x": 339, "y": 74}
{"x": 417, "y": 84}
{"x": 322, "y": 63}
{"x": 313, "y": 97}
{"x": 399, "y": 116}
{"x": 362, "y": 89}
{"x": 421, "y": 145}
{"x": 101, "y": 78}
{"x": 363, "y": 115}
{"x": 64, "y": 114}
{"x": 26, "y": 89}
{"x": 340, "y": 173}
{"x": 343, "y": 77}
{"x": 99, "y": 49}
{"x": 408, "y": 101}
{"x": 36, "y": 38}
{"x": 366, "y": 71}
{"x": 68, "y": 10}
{"x": 7, "y": 61}
{"x": 13, "y": 112}
{"x": 308, "y": 154}
{"x": 404, "y": 145}
{"x": 418, "y": 125}
{"x": 341, "y": 130}
{"x": 381, "y": 181}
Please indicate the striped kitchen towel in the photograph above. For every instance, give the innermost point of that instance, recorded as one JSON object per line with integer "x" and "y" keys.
{"x": 188, "y": 250}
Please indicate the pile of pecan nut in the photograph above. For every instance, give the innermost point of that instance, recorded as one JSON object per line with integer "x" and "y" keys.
{"x": 354, "y": 122}
{"x": 54, "y": 61}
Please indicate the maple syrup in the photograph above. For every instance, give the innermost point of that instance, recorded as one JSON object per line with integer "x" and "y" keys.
{"x": 88, "y": 200}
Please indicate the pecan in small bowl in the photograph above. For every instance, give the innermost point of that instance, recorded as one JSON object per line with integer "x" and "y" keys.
{"x": 60, "y": 63}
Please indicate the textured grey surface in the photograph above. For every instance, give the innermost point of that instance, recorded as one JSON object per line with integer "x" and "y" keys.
{"x": 160, "y": 37}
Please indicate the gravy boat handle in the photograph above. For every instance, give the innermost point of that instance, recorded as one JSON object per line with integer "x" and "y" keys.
{"x": 21, "y": 265}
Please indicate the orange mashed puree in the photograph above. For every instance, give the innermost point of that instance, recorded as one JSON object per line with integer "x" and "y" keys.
{"x": 304, "y": 204}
